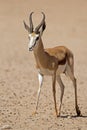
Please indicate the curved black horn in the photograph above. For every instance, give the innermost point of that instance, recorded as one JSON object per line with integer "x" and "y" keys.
{"x": 43, "y": 20}
{"x": 31, "y": 23}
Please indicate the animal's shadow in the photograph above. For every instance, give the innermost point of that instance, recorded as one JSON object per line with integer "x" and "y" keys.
{"x": 71, "y": 116}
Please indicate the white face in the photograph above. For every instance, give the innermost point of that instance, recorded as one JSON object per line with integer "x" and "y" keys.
{"x": 33, "y": 38}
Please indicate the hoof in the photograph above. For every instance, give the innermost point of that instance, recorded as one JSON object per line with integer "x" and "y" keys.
{"x": 79, "y": 113}
{"x": 34, "y": 113}
{"x": 58, "y": 115}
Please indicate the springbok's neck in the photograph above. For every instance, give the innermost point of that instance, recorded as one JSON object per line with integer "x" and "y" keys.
{"x": 39, "y": 49}
{"x": 39, "y": 53}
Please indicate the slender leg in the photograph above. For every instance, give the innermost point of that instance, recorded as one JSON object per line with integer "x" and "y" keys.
{"x": 54, "y": 92}
{"x": 75, "y": 88}
{"x": 40, "y": 78}
{"x": 62, "y": 91}
{"x": 76, "y": 104}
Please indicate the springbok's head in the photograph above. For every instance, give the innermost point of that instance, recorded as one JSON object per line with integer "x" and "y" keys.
{"x": 34, "y": 34}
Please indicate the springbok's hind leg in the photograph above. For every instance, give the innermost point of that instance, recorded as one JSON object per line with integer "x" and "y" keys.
{"x": 76, "y": 104}
{"x": 62, "y": 92}
{"x": 71, "y": 75}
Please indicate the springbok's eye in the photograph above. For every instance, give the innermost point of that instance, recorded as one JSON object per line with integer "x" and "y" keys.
{"x": 37, "y": 38}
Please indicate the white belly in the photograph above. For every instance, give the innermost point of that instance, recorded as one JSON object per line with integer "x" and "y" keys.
{"x": 61, "y": 69}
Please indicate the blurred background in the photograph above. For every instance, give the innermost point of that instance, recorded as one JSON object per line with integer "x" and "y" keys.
{"x": 66, "y": 24}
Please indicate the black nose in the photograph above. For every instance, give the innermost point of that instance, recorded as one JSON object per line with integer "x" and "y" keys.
{"x": 30, "y": 49}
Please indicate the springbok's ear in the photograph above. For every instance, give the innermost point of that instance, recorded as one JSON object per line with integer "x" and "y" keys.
{"x": 26, "y": 26}
{"x": 43, "y": 28}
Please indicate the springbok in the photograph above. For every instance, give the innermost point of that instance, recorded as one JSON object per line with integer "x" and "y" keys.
{"x": 51, "y": 61}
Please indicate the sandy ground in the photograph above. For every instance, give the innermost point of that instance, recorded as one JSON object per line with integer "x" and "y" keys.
{"x": 66, "y": 25}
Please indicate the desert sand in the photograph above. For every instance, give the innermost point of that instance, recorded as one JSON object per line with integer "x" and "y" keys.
{"x": 66, "y": 22}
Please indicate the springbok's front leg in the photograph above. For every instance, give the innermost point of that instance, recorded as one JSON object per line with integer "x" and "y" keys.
{"x": 40, "y": 78}
{"x": 54, "y": 92}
